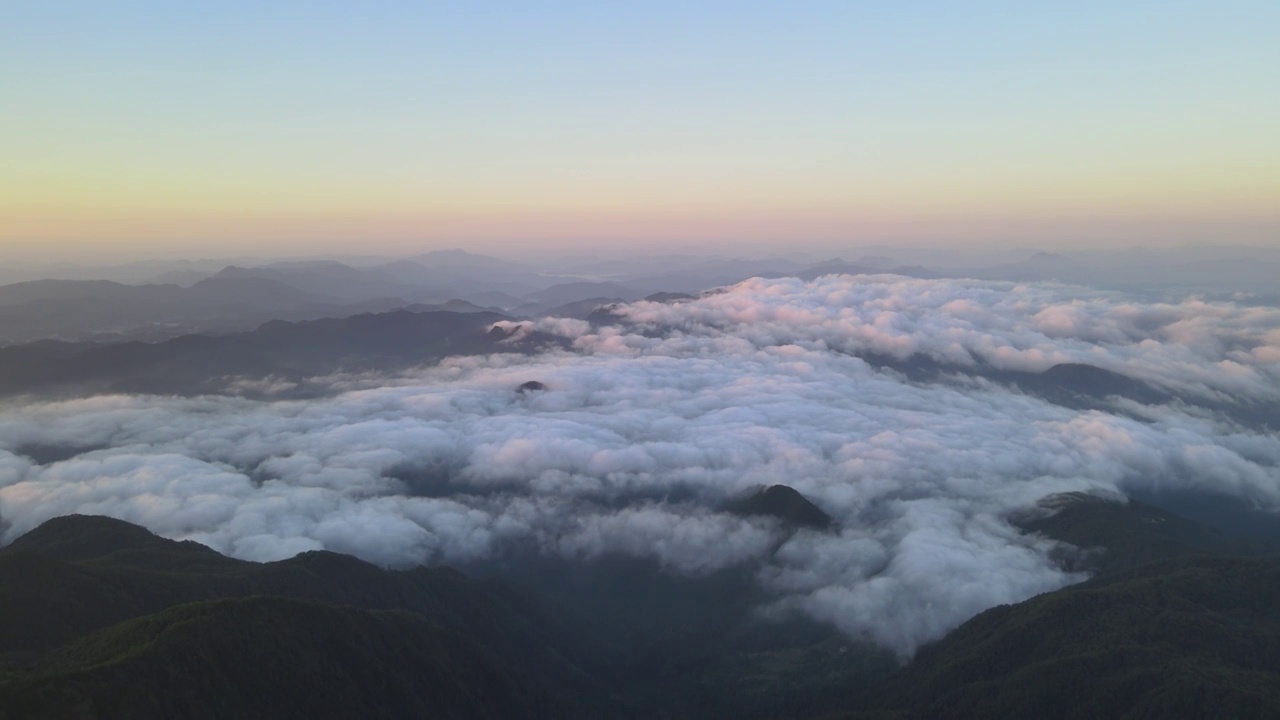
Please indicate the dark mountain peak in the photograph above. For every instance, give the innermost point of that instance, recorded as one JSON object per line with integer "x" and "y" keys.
{"x": 579, "y": 309}
{"x": 234, "y": 271}
{"x": 67, "y": 529}
{"x": 463, "y": 260}
{"x": 604, "y": 315}
{"x": 1084, "y": 372}
{"x": 75, "y": 538}
{"x": 784, "y": 503}
{"x": 334, "y": 567}
{"x": 498, "y": 333}
{"x": 247, "y": 287}
{"x": 531, "y": 386}
{"x": 668, "y": 297}
{"x": 1119, "y": 533}
{"x": 273, "y": 326}
{"x": 1099, "y": 379}
{"x": 1071, "y": 383}
{"x": 1061, "y": 501}
{"x": 831, "y": 261}
{"x": 460, "y": 305}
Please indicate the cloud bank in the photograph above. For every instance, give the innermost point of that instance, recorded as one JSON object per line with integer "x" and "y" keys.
{"x": 648, "y": 427}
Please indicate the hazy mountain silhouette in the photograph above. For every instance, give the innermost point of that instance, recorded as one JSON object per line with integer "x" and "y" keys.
{"x": 81, "y": 310}
{"x": 381, "y": 342}
{"x": 325, "y": 279}
{"x": 575, "y": 291}
{"x": 579, "y": 309}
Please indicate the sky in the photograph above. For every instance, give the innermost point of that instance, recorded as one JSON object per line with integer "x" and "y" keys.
{"x": 136, "y": 129}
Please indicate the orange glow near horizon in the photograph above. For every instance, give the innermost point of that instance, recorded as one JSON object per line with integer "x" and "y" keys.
{"x": 141, "y": 134}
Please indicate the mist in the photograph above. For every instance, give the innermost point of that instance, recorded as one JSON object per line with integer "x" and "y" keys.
{"x": 633, "y": 361}
{"x": 659, "y": 415}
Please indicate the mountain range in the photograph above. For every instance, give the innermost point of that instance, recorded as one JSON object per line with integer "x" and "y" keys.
{"x": 278, "y": 350}
{"x": 103, "y": 619}
{"x": 238, "y": 297}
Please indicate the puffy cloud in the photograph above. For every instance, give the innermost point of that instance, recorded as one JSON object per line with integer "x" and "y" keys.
{"x": 1191, "y": 347}
{"x": 649, "y": 427}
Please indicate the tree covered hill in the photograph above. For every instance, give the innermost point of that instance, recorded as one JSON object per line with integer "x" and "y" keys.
{"x": 102, "y": 619}
{"x": 77, "y": 575}
{"x": 266, "y": 657}
{"x": 1195, "y": 637}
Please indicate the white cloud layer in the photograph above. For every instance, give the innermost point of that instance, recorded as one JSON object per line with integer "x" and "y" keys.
{"x": 645, "y": 432}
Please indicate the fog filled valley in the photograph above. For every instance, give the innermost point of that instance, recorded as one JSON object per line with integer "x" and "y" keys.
{"x": 454, "y": 485}
{"x": 640, "y": 361}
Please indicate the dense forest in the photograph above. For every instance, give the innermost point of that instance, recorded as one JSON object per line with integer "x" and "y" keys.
{"x": 102, "y": 619}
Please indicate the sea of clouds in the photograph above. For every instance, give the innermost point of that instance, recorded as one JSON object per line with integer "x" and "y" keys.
{"x": 651, "y": 425}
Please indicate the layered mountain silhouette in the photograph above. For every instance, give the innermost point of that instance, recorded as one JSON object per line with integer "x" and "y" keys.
{"x": 238, "y": 297}
{"x": 381, "y": 342}
{"x": 97, "y": 311}
{"x": 294, "y": 351}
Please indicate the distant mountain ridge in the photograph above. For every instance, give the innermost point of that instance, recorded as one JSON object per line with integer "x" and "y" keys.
{"x": 237, "y": 297}
{"x": 193, "y": 364}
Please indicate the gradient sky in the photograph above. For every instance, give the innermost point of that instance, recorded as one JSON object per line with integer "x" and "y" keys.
{"x": 130, "y": 129}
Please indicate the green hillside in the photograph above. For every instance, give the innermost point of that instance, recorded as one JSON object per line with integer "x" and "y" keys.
{"x": 1197, "y": 637}
{"x": 272, "y": 658}
{"x": 102, "y": 619}
{"x": 76, "y": 575}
